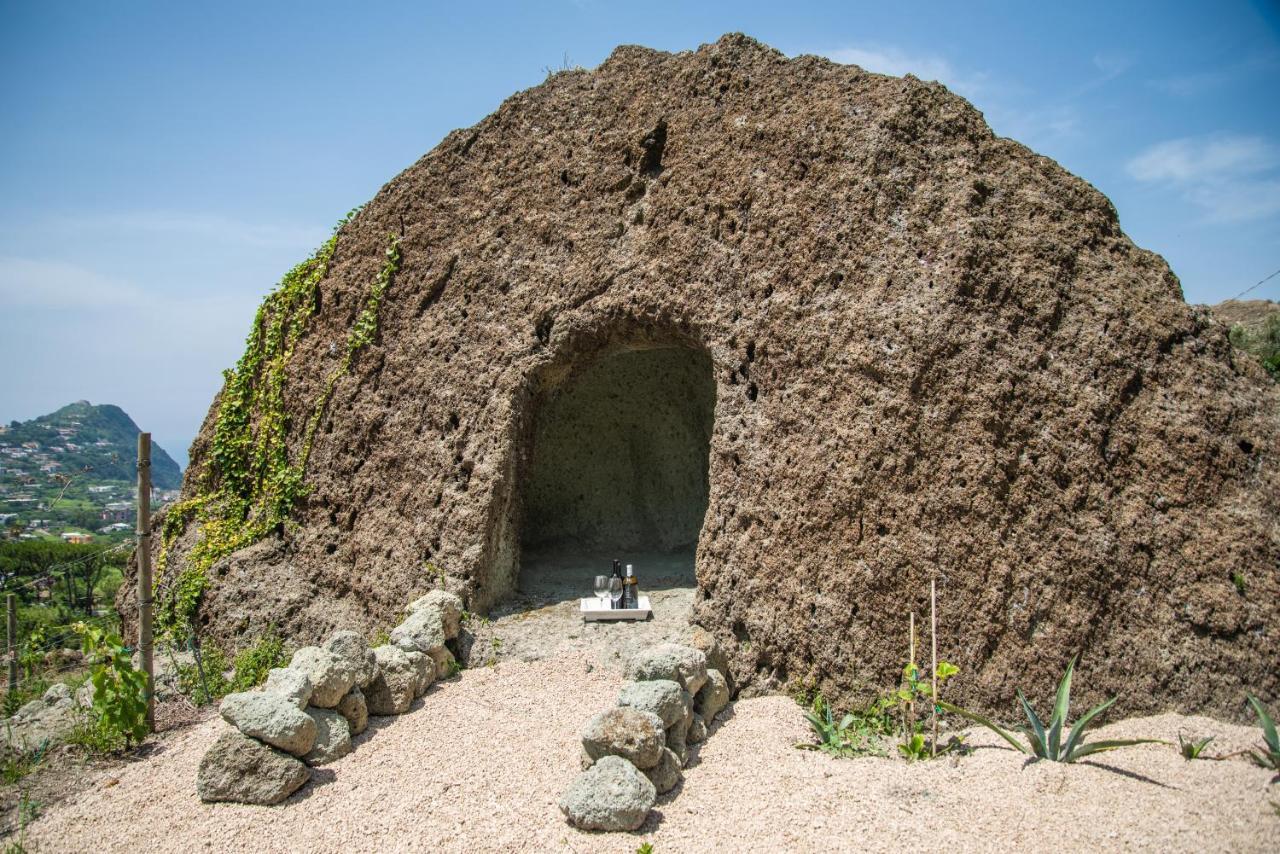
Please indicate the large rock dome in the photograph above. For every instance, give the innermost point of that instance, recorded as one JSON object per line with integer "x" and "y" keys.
{"x": 824, "y": 324}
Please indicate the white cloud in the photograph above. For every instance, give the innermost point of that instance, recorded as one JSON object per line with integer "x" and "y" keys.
{"x": 31, "y": 283}
{"x": 887, "y": 59}
{"x": 1232, "y": 177}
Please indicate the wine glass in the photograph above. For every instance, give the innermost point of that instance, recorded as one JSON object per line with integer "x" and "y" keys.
{"x": 615, "y": 591}
{"x": 602, "y": 589}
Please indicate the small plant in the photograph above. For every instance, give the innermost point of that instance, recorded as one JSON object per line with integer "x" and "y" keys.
{"x": 1237, "y": 578}
{"x": 914, "y": 748}
{"x": 18, "y": 763}
{"x": 1047, "y": 743}
{"x": 645, "y": 848}
{"x": 205, "y": 680}
{"x": 453, "y": 668}
{"x": 1192, "y": 748}
{"x": 119, "y": 691}
{"x": 1269, "y": 755}
{"x": 253, "y": 664}
{"x": 856, "y": 733}
{"x": 381, "y": 638}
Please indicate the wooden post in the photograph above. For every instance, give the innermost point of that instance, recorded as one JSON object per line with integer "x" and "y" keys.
{"x": 144, "y": 572}
{"x": 11, "y": 641}
{"x": 911, "y": 704}
{"x": 933, "y": 635}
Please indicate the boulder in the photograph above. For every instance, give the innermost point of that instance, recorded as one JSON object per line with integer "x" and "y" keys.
{"x": 392, "y": 691}
{"x": 421, "y": 631}
{"x": 270, "y": 718}
{"x": 713, "y": 696}
{"x": 666, "y": 774}
{"x": 58, "y": 692}
{"x": 444, "y": 661}
{"x": 354, "y": 708}
{"x": 662, "y": 697}
{"x": 610, "y": 795}
{"x": 449, "y": 606}
{"x": 425, "y": 666}
{"x": 331, "y": 675}
{"x": 677, "y": 737}
{"x": 630, "y": 733}
{"x": 682, "y": 664}
{"x": 333, "y": 737}
{"x": 238, "y": 768}
{"x": 292, "y": 683}
{"x": 697, "y": 732}
{"x": 716, "y": 659}
{"x": 352, "y": 647}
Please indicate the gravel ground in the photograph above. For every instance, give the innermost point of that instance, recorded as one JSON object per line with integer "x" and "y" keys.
{"x": 480, "y": 762}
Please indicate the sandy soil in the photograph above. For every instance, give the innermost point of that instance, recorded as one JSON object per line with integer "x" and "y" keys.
{"x": 480, "y": 762}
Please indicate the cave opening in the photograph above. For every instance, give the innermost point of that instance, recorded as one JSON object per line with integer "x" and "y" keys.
{"x": 618, "y": 469}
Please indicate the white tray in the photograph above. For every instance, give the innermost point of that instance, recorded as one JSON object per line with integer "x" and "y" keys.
{"x": 592, "y": 612}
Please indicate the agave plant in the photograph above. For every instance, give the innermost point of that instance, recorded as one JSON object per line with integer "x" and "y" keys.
{"x": 1046, "y": 742}
{"x": 1269, "y": 756}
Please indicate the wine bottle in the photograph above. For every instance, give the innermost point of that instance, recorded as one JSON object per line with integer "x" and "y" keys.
{"x": 631, "y": 589}
{"x": 616, "y": 601}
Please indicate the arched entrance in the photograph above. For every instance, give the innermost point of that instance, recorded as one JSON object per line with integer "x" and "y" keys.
{"x": 618, "y": 469}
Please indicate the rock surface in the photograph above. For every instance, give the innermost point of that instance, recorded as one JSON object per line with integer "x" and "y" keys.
{"x": 666, "y": 774}
{"x": 241, "y": 769}
{"x": 393, "y": 689}
{"x": 354, "y": 708}
{"x": 634, "y": 735}
{"x": 447, "y": 604}
{"x": 610, "y": 795}
{"x": 712, "y": 697}
{"x": 352, "y": 647}
{"x": 291, "y": 683}
{"x": 270, "y": 718}
{"x": 679, "y": 663}
{"x": 331, "y": 675}
{"x": 662, "y": 697}
{"x": 935, "y": 354}
{"x": 422, "y": 631}
{"x": 333, "y": 737}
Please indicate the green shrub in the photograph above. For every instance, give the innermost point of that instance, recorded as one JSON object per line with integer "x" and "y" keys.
{"x": 119, "y": 691}
{"x": 205, "y": 681}
{"x": 1262, "y": 341}
{"x": 253, "y": 664}
{"x": 859, "y": 732}
{"x": 1046, "y": 742}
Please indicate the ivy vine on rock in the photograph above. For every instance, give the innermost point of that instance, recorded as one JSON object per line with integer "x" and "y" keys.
{"x": 249, "y": 485}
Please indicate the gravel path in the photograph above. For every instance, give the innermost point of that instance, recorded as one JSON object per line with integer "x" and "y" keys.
{"x": 481, "y": 760}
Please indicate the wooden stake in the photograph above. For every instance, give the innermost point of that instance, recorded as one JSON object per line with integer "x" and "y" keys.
{"x": 144, "y": 573}
{"x": 11, "y": 641}
{"x": 933, "y": 635}
{"x": 911, "y": 704}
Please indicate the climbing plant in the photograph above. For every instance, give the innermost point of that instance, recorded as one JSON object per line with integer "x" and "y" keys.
{"x": 249, "y": 485}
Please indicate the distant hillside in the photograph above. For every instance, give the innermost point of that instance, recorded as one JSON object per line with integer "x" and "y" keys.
{"x": 74, "y": 469}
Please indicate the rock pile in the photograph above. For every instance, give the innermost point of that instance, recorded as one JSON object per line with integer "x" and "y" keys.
{"x": 636, "y": 751}
{"x": 305, "y": 714}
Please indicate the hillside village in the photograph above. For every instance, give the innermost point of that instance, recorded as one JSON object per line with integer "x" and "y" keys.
{"x": 70, "y": 475}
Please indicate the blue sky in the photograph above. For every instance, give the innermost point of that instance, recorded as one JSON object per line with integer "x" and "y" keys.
{"x": 162, "y": 165}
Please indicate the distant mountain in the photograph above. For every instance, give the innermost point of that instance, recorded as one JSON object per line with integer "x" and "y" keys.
{"x": 97, "y": 443}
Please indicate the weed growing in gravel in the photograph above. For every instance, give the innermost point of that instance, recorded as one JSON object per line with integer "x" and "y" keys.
{"x": 1269, "y": 755}
{"x": 1046, "y": 743}
{"x": 17, "y": 763}
{"x": 1237, "y": 578}
{"x": 645, "y": 848}
{"x": 1192, "y": 748}
{"x": 860, "y": 732}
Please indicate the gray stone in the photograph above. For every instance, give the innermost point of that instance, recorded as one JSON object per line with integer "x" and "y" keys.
{"x": 56, "y": 693}
{"x": 331, "y": 676}
{"x": 270, "y": 718}
{"x": 393, "y": 689}
{"x": 354, "y": 708}
{"x": 663, "y": 697}
{"x": 29, "y": 710}
{"x": 333, "y": 737}
{"x": 630, "y": 733}
{"x": 716, "y": 659}
{"x": 666, "y": 774}
{"x": 352, "y": 647}
{"x": 421, "y": 631}
{"x": 713, "y": 697}
{"x": 673, "y": 661}
{"x": 448, "y": 604}
{"x": 444, "y": 661}
{"x": 610, "y": 795}
{"x": 425, "y": 666}
{"x": 238, "y": 768}
{"x": 677, "y": 737}
{"x": 291, "y": 683}
{"x": 697, "y": 731}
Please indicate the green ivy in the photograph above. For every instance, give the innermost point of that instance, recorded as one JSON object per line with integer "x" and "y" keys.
{"x": 249, "y": 485}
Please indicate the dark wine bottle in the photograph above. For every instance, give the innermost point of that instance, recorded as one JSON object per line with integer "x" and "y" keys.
{"x": 617, "y": 601}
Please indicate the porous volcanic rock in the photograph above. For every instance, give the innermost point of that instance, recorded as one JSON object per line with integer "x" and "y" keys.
{"x": 918, "y": 351}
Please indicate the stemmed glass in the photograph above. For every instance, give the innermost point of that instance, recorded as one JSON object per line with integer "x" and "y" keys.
{"x": 602, "y": 589}
{"x": 615, "y": 591}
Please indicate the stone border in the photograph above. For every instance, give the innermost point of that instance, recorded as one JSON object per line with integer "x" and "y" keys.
{"x": 636, "y": 751}
{"x": 305, "y": 714}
